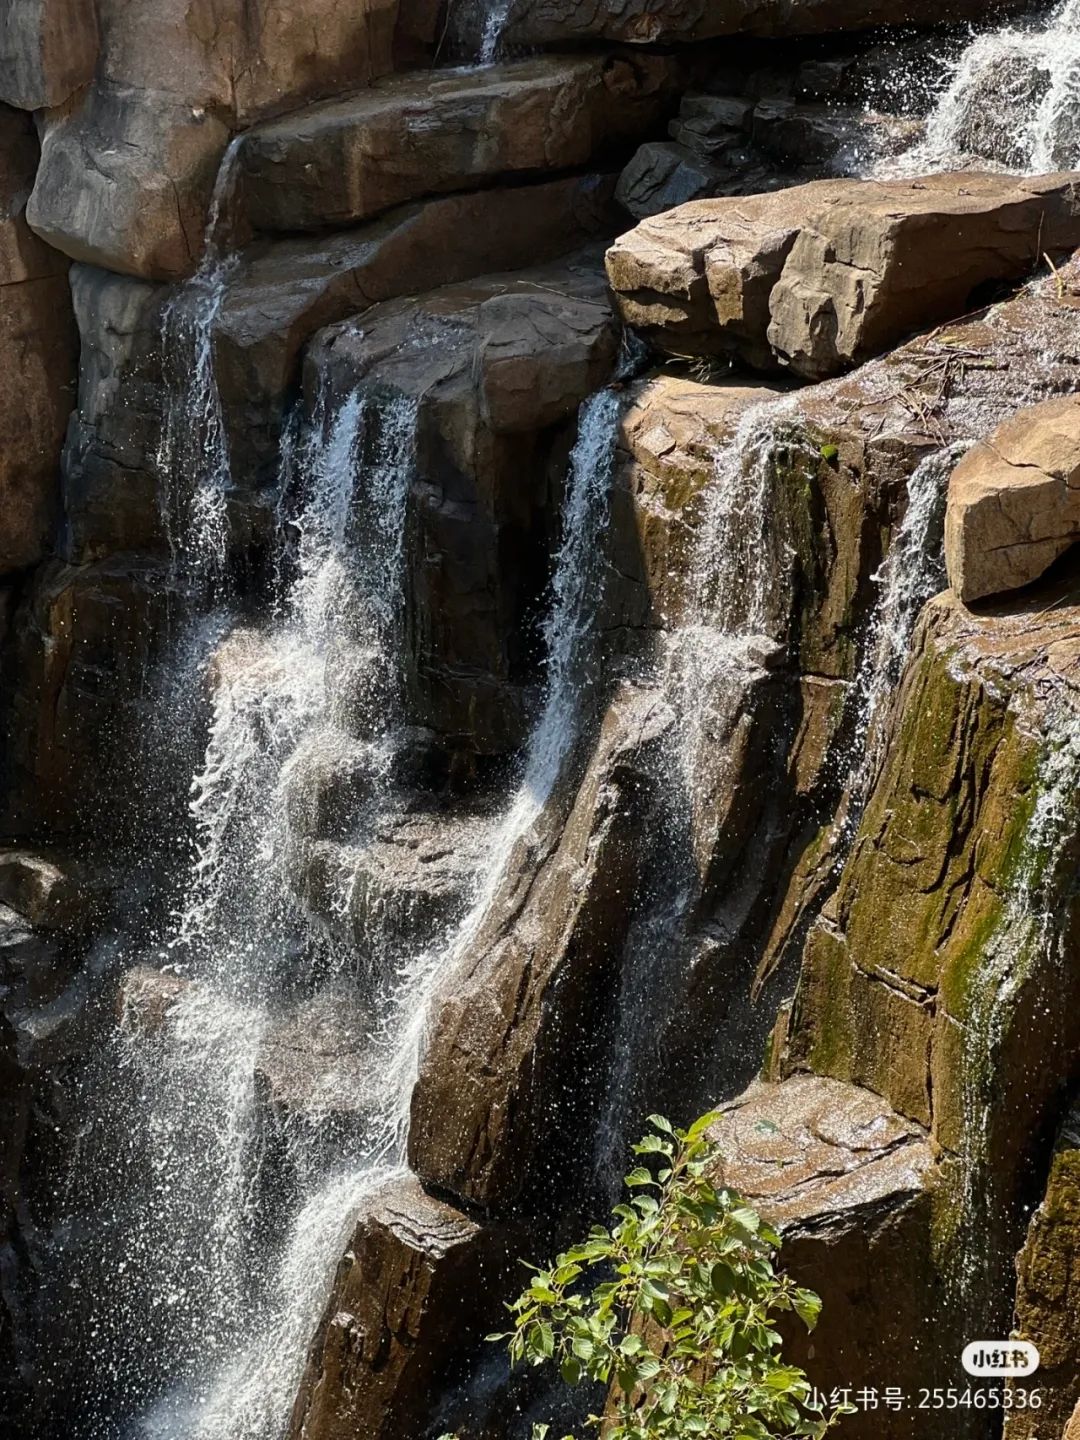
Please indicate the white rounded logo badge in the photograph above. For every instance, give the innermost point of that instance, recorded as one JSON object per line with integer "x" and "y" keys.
{"x": 1001, "y": 1358}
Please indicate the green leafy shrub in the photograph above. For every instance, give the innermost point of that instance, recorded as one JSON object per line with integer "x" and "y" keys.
{"x": 681, "y": 1322}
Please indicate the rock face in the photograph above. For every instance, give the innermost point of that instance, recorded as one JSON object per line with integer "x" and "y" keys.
{"x": 38, "y": 345}
{"x": 925, "y": 978}
{"x": 488, "y": 1111}
{"x": 1014, "y": 501}
{"x": 549, "y": 22}
{"x": 165, "y": 97}
{"x": 408, "y": 1307}
{"x": 845, "y": 1180}
{"x": 496, "y": 371}
{"x": 347, "y": 160}
{"x": 285, "y": 291}
{"x": 47, "y": 51}
{"x": 1048, "y": 1268}
{"x": 818, "y": 278}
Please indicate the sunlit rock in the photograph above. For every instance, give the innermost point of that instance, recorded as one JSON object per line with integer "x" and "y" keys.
{"x": 1014, "y": 501}
{"x": 417, "y": 1288}
{"x": 845, "y": 1180}
{"x": 432, "y": 132}
{"x": 817, "y": 278}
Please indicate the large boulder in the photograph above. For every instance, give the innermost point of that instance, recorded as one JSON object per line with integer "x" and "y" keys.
{"x": 283, "y": 292}
{"x": 48, "y": 49}
{"x": 435, "y": 132}
{"x": 1014, "y": 501}
{"x": 1048, "y": 1294}
{"x": 419, "y": 1284}
{"x": 506, "y": 1077}
{"x": 128, "y": 169}
{"x": 39, "y": 349}
{"x": 818, "y": 278}
{"x": 846, "y": 1181}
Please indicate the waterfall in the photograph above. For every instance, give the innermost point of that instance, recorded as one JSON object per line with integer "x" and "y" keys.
{"x": 193, "y": 450}
{"x": 217, "y": 1247}
{"x": 494, "y": 25}
{"x": 202, "y": 1247}
{"x": 1012, "y": 102}
{"x": 1027, "y": 937}
{"x": 569, "y": 637}
{"x": 912, "y": 572}
{"x": 736, "y": 607}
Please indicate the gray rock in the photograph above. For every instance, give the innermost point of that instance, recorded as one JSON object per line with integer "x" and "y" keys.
{"x": 47, "y": 51}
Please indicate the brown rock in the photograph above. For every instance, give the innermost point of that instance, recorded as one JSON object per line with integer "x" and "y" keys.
{"x": 284, "y": 292}
{"x": 496, "y": 370}
{"x": 1014, "y": 501}
{"x": 47, "y": 51}
{"x": 503, "y": 1059}
{"x": 435, "y": 132}
{"x": 1072, "y": 1429}
{"x": 670, "y": 434}
{"x": 697, "y": 280}
{"x": 885, "y": 259}
{"x": 1048, "y": 1295}
{"x": 411, "y": 1300}
{"x": 38, "y": 350}
{"x": 926, "y": 979}
{"x": 819, "y": 277}
{"x": 127, "y": 172}
{"x": 845, "y": 1180}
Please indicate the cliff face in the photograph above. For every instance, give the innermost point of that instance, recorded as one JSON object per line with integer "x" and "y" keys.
{"x": 536, "y": 586}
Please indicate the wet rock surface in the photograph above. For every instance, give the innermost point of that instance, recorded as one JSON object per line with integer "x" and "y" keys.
{"x": 407, "y": 1308}
{"x": 1048, "y": 1270}
{"x": 490, "y": 1110}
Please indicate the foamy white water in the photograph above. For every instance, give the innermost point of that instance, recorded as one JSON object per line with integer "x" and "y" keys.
{"x": 1012, "y": 103}
{"x": 568, "y": 632}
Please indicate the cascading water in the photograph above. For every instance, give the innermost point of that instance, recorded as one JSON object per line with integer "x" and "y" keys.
{"x": 568, "y": 635}
{"x": 912, "y": 573}
{"x": 737, "y": 604}
{"x": 192, "y": 1243}
{"x": 1013, "y": 102}
{"x": 1025, "y": 949}
{"x": 216, "y": 1251}
{"x": 193, "y": 453}
{"x": 491, "y": 36}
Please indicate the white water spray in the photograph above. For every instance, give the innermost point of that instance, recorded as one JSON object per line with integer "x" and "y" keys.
{"x": 1013, "y": 103}
{"x": 568, "y": 631}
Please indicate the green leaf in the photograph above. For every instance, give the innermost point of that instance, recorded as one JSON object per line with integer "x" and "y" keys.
{"x": 807, "y": 1307}
{"x": 640, "y": 1176}
{"x": 570, "y": 1369}
{"x": 829, "y": 453}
